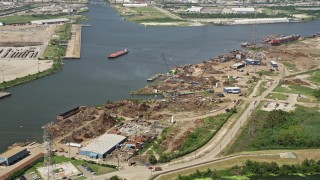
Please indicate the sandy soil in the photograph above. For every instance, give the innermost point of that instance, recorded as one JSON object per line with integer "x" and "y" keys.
{"x": 13, "y": 69}
{"x": 27, "y": 33}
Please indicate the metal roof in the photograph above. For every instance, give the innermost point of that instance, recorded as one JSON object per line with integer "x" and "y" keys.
{"x": 104, "y": 143}
{"x": 12, "y": 151}
{"x": 50, "y": 21}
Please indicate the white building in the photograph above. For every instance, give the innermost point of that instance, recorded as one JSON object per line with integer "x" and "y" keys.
{"x": 100, "y": 147}
{"x": 134, "y": 5}
{"x": 194, "y": 9}
{"x": 1, "y": 24}
{"x": 243, "y": 10}
{"x": 50, "y": 21}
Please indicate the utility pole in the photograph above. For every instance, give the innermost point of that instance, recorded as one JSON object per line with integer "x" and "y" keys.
{"x": 2, "y": 70}
{"x": 48, "y": 147}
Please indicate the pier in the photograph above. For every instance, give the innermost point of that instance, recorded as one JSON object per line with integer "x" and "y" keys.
{"x": 4, "y": 94}
{"x": 74, "y": 44}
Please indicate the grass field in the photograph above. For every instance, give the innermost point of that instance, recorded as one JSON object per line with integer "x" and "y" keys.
{"x": 294, "y": 89}
{"x": 277, "y": 96}
{"x": 315, "y": 77}
{"x": 59, "y": 159}
{"x": 279, "y": 130}
{"x": 144, "y": 14}
{"x": 301, "y": 155}
{"x": 16, "y": 19}
{"x": 291, "y": 67}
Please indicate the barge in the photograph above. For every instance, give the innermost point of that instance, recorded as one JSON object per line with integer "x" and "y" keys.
{"x": 117, "y": 54}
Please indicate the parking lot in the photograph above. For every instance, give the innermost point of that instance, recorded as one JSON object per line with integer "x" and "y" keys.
{"x": 274, "y": 105}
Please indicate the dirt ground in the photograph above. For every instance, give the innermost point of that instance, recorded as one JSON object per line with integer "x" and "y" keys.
{"x": 13, "y": 69}
{"x": 303, "y": 55}
{"x": 26, "y": 33}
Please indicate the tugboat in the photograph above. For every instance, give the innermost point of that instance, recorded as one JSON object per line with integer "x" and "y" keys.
{"x": 117, "y": 54}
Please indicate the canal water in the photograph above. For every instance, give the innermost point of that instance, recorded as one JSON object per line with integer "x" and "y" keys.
{"x": 94, "y": 79}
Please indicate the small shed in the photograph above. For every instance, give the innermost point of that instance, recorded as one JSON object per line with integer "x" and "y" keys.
{"x": 252, "y": 62}
{"x": 234, "y": 90}
{"x": 237, "y": 65}
{"x": 274, "y": 64}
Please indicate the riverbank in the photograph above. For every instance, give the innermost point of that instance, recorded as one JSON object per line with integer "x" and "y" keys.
{"x": 155, "y": 16}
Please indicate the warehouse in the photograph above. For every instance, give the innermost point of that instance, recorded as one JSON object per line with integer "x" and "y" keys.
{"x": 50, "y": 21}
{"x": 102, "y": 146}
{"x": 237, "y": 65}
{"x": 234, "y": 90}
{"x": 13, "y": 155}
{"x": 194, "y": 9}
{"x": 252, "y": 62}
{"x": 243, "y": 10}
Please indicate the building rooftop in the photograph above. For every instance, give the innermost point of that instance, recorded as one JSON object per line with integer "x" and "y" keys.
{"x": 12, "y": 151}
{"x": 104, "y": 143}
{"x": 50, "y": 20}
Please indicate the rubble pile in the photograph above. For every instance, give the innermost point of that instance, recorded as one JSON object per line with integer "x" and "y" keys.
{"x": 93, "y": 129}
{"x": 65, "y": 126}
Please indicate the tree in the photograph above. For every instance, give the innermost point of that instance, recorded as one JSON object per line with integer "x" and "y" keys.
{"x": 317, "y": 94}
{"x": 114, "y": 178}
{"x": 153, "y": 160}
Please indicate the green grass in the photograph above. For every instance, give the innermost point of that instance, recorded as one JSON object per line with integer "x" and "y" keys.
{"x": 145, "y": 14}
{"x": 295, "y": 89}
{"x": 315, "y": 77}
{"x": 266, "y": 73}
{"x": 16, "y": 19}
{"x": 307, "y": 99}
{"x": 199, "y": 137}
{"x": 59, "y": 159}
{"x": 277, "y": 96}
{"x": 262, "y": 87}
{"x": 290, "y": 66}
{"x": 280, "y": 130}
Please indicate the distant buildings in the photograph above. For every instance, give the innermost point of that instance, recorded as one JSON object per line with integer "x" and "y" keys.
{"x": 243, "y": 10}
{"x": 13, "y": 155}
{"x": 194, "y": 9}
{"x": 105, "y": 144}
{"x": 135, "y": 5}
{"x": 50, "y": 21}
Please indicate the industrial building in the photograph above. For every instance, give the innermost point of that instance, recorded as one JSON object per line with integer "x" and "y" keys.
{"x": 135, "y": 5}
{"x": 194, "y": 9}
{"x": 50, "y": 21}
{"x": 13, "y": 155}
{"x": 252, "y": 62}
{"x": 237, "y": 65}
{"x": 102, "y": 146}
{"x": 234, "y": 90}
{"x": 243, "y": 10}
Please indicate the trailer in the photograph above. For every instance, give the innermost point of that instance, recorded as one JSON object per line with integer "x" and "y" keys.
{"x": 233, "y": 90}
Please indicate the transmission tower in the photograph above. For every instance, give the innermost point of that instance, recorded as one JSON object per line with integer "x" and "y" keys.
{"x": 254, "y": 30}
{"x": 48, "y": 147}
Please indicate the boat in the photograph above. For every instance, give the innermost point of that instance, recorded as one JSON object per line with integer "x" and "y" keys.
{"x": 280, "y": 40}
{"x": 154, "y": 77}
{"x": 119, "y": 53}
{"x": 246, "y": 44}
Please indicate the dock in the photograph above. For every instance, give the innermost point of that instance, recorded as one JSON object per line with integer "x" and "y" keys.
{"x": 154, "y": 77}
{"x": 74, "y": 44}
{"x": 4, "y": 94}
